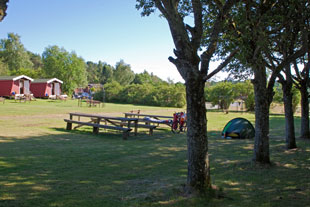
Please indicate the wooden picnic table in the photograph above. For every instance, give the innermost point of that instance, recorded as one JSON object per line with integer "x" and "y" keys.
{"x": 150, "y": 118}
{"x": 138, "y": 115}
{"x": 90, "y": 102}
{"x": 115, "y": 123}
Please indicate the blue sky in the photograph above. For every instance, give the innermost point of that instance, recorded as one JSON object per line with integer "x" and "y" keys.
{"x": 106, "y": 30}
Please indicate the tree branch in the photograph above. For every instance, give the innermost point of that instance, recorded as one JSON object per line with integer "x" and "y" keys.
{"x": 198, "y": 29}
{"x": 161, "y": 8}
{"x": 217, "y": 29}
{"x": 284, "y": 63}
{"x": 221, "y": 66}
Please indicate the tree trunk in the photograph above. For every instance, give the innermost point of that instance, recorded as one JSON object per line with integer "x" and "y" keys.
{"x": 289, "y": 116}
{"x": 3, "y": 8}
{"x": 198, "y": 177}
{"x": 262, "y": 103}
{"x": 304, "y": 128}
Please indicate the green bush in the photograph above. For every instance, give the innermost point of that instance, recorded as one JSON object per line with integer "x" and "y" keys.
{"x": 171, "y": 95}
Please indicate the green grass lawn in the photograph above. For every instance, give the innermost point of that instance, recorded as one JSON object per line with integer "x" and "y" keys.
{"x": 42, "y": 164}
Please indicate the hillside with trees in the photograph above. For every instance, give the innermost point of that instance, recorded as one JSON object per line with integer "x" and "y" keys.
{"x": 121, "y": 84}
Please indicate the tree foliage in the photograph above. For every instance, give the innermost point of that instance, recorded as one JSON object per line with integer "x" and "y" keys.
{"x": 224, "y": 93}
{"x": 58, "y": 63}
{"x": 164, "y": 94}
{"x": 123, "y": 73}
{"x": 221, "y": 94}
{"x": 13, "y": 53}
{"x": 146, "y": 78}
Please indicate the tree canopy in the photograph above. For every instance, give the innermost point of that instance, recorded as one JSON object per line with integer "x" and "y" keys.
{"x": 13, "y": 53}
{"x": 66, "y": 66}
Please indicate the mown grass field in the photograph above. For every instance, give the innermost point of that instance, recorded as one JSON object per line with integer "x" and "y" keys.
{"x": 42, "y": 164}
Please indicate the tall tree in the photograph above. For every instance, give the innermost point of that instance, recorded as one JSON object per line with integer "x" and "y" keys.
{"x": 145, "y": 77}
{"x": 58, "y": 63}
{"x": 107, "y": 73}
{"x": 292, "y": 36}
{"x": 256, "y": 23}
{"x": 301, "y": 81}
{"x": 93, "y": 72}
{"x": 3, "y": 68}
{"x": 3, "y": 7}
{"x": 194, "y": 69}
{"x": 13, "y": 53}
{"x": 123, "y": 73}
{"x": 301, "y": 66}
{"x": 36, "y": 60}
{"x": 221, "y": 94}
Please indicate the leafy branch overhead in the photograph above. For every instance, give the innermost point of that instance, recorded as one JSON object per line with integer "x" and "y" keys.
{"x": 189, "y": 39}
{"x": 3, "y": 8}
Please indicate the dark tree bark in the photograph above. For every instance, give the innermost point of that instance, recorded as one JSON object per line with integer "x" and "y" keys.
{"x": 289, "y": 117}
{"x": 304, "y": 125}
{"x": 288, "y": 108}
{"x": 3, "y": 7}
{"x": 198, "y": 175}
{"x": 301, "y": 81}
{"x": 262, "y": 104}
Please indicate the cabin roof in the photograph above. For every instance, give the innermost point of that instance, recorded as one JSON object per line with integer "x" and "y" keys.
{"x": 49, "y": 80}
{"x": 14, "y": 78}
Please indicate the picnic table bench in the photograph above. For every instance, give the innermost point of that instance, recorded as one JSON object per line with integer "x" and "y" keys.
{"x": 149, "y": 119}
{"x": 93, "y": 103}
{"x": 116, "y": 123}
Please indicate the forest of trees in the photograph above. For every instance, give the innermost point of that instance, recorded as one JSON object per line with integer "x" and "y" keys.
{"x": 121, "y": 84}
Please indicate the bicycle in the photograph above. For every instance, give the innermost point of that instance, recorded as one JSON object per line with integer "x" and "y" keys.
{"x": 179, "y": 122}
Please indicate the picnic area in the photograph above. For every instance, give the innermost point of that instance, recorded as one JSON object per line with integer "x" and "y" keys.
{"x": 42, "y": 163}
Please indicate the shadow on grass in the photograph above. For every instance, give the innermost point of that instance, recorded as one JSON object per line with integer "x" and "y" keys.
{"x": 81, "y": 169}
{"x": 77, "y": 168}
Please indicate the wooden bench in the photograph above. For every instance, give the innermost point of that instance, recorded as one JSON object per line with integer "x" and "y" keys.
{"x": 147, "y": 126}
{"x": 93, "y": 103}
{"x": 138, "y": 115}
{"x": 157, "y": 119}
{"x": 97, "y": 126}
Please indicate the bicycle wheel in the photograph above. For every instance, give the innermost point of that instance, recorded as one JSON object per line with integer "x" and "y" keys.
{"x": 175, "y": 128}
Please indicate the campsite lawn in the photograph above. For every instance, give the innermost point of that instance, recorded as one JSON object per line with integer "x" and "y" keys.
{"x": 42, "y": 164}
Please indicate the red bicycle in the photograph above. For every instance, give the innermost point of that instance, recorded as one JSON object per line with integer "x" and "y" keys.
{"x": 179, "y": 122}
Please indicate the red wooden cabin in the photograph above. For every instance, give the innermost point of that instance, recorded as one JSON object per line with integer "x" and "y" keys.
{"x": 14, "y": 85}
{"x": 41, "y": 88}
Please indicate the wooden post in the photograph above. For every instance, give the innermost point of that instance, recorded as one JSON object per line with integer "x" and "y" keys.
{"x": 69, "y": 126}
{"x": 96, "y": 129}
{"x": 136, "y": 127}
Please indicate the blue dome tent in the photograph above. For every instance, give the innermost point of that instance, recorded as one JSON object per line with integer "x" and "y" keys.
{"x": 238, "y": 128}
